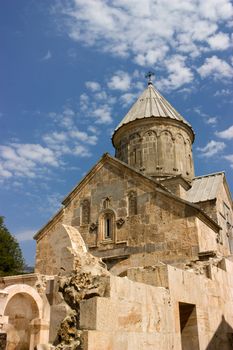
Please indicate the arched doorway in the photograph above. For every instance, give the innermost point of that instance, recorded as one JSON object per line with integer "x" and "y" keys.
{"x": 21, "y": 310}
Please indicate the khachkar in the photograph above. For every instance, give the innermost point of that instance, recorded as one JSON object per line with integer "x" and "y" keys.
{"x": 154, "y": 138}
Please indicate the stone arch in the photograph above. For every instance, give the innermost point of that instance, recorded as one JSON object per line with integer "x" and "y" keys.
{"x": 23, "y": 308}
{"x": 26, "y": 289}
{"x": 120, "y": 269}
{"x": 122, "y": 149}
{"x": 107, "y": 225}
{"x": 135, "y": 137}
{"x": 149, "y": 133}
{"x": 135, "y": 154}
{"x": 180, "y": 153}
{"x": 166, "y": 151}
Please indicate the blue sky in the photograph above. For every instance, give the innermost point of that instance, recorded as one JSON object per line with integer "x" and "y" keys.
{"x": 70, "y": 71}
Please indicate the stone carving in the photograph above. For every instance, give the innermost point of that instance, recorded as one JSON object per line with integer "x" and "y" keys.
{"x": 120, "y": 222}
{"x": 93, "y": 227}
{"x": 41, "y": 284}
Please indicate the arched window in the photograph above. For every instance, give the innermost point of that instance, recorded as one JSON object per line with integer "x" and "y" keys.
{"x": 107, "y": 225}
{"x": 132, "y": 203}
{"x": 85, "y": 212}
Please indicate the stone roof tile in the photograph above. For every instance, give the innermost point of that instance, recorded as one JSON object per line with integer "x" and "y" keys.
{"x": 205, "y": 187}
{"x": 151, "y": 104}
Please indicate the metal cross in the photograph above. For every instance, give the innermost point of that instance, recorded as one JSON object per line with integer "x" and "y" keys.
{"x": 148, "y": 76}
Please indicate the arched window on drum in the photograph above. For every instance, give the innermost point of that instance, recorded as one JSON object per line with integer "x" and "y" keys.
{"x": 166, "y": 151}
{"x": 149, "y": 148}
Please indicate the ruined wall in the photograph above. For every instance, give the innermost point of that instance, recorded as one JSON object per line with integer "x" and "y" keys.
{"x": 135, "y": 316}
{"x": 213, "y": 300}
{"x": 184, "y": 309}
{"x": 146, "y": 317}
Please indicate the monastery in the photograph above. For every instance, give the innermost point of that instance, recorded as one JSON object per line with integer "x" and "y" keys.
{"x": 139, "y": 257}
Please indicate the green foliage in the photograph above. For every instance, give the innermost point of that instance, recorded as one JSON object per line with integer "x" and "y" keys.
{"x": 11, "y": 259}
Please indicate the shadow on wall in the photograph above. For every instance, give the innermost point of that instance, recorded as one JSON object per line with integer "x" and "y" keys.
{"x": 222, "y": 338}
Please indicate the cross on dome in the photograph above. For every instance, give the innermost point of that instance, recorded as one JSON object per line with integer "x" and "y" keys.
{"x": 148, "y": 76}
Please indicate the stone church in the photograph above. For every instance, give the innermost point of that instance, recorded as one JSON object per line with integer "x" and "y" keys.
{"x": 139, "y": 257}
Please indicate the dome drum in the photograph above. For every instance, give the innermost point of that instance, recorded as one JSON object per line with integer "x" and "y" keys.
{"x": 154, "y": 138}
{"x": 156, "y": 146}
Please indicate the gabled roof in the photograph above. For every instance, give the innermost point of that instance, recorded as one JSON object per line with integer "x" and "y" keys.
{"x": 151, "y": 104}
{"x": 205, "y": 187}
{"x": 99, "y": 164}
{"x": 151, "y": 182}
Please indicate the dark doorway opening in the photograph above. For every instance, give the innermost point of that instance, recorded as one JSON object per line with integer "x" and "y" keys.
{"x": 188, "y": 326}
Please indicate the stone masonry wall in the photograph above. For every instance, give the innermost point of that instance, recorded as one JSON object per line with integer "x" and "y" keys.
{"x": 157, "y": 148}
{"x": 159, "y": 224}
{"x": 140, "y": 316}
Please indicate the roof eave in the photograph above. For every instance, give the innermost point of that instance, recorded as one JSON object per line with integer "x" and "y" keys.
{"x": 187, "y": 125}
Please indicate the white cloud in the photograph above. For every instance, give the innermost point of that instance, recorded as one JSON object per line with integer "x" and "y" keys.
{"x": 150, "y": 31}
{"x": 211, "y": 120}
{"x": 223, "y": 92}
{"x": 102, "y": 114}
{"x": 4, "y": 173}
{"x": 36, "y": 153}
{"x": 120, "y": 81}
{"x": 229, "y": 157}
{"x": 212, "y": 148}
{"x": 47, "y": 56}
{"x": 84, "y": 137}
{"x": 179, "y": 73}
{"x": 67, "y": 118}
{"x": 150, "y": 57}
{"x": 220, "y": 41}
{"x": 226, "y": 134}
{"x": 55, "y": 137}
{"x": 93, "y": 85}
{"x": 84, "y": 102}
{"x": 93, "y": 129}
{"x": 217, "y": 68}
{"x": 216, "y": 9}
{"x": 102, "y": 95}
{"x": 81, "y": 151}
{"x": 25, "y": 235}
{"x": 200, "y": 112}
{"x": 206, "y": 118}
{"x": 25, "y": 159}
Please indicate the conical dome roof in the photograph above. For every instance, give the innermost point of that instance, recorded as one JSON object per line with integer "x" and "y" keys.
{"x": 151, "y": 104}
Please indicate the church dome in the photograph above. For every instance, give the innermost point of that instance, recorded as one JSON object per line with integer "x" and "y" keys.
{"x": 154, "y": 138}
